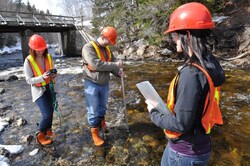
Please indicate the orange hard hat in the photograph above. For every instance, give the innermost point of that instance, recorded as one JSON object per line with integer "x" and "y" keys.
{"x": 110, "y": 33}
{"x": 192, "y": 15}
{"x": 37, "y": 43}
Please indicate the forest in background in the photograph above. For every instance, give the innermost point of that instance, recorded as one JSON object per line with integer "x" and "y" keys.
{"x": 134, "y": 19}
{"x": 141, "y": 19}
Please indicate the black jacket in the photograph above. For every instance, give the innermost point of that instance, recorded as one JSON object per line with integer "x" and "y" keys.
{"x": 192, "y": 89}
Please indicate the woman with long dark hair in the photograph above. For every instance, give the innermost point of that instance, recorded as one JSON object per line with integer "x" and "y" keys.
{"x": 193, "y": 98}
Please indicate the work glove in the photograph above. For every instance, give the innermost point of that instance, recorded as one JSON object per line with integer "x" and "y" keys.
{"x": 151, "y": 105}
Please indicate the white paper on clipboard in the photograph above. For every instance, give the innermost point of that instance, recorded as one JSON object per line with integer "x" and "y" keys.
{"x": 149, "y": 92}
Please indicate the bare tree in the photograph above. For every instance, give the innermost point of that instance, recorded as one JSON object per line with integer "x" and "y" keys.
{"x": 18, "y": 4}
{"x": 5, "y": 5}
{"x": 77, "y": 7}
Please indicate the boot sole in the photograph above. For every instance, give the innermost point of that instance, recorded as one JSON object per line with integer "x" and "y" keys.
{"x": 39, "y": 143}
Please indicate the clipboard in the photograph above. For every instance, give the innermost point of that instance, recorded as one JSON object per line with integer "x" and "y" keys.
{"x": 149, "y": 92}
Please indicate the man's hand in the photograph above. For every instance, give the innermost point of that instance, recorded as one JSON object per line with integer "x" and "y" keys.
{"x": 119, "y": 63}
{"x": 121, "y": 73}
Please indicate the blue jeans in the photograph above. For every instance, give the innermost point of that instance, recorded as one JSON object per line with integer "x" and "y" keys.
{"x": 96, "y": 98}
{"x": 173, "y": 158}
{"x": 45, "y": 104}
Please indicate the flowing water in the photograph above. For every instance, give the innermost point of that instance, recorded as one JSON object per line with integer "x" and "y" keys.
{"x": 143, "y": 144}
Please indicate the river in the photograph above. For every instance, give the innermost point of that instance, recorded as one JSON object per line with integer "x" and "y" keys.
{"x": 143, "y": 144}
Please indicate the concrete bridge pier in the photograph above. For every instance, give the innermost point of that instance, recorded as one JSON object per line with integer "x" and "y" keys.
{"x": 69, "y": 43}
{"x": 68, "y": 38}
{"x": 25, "y": 36}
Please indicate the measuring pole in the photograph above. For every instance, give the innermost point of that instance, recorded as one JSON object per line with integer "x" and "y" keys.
{"x": 124, "y": 102}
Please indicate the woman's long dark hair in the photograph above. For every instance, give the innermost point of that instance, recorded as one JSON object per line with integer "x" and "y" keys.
{"x": 202, "y": 54}
{"x": 197, "y": 41}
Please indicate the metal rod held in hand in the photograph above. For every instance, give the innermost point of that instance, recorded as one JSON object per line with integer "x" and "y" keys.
{"x": 124, "y": 101}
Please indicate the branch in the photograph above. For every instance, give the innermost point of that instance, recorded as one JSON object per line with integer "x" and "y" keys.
{"x": 239, "y": 56}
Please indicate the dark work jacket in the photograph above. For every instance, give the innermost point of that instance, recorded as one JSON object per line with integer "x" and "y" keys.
{"x": 192, "y": 89}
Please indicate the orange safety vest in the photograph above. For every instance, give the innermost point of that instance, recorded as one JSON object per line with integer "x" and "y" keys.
{"x": 100, "y": 54}
{"x": 211, "y": 113}
{"x": 38, "y": 70}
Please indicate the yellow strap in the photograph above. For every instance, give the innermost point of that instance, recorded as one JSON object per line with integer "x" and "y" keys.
{"x": 99, "y": 54}
{"x": 37, "y": 69}
{"x": 109, "y": 52}
{"x": 171, "y": 97}
{"x": 96, "y": 49}
{"x": 217, "y": 94}
{"x": 50, "y": 60}
{"x": 35, "y": 66}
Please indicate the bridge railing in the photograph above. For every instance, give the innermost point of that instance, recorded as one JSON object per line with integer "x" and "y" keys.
{"x": 35, "y": 19}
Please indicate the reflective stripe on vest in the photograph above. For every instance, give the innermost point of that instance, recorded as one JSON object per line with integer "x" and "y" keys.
{"x": 100, "y": 54}
{"x": 171, "y": 94}
{"x": 211, "y": 113}
{"x": 171, "y": 104}
{"x": 38, "y": 70}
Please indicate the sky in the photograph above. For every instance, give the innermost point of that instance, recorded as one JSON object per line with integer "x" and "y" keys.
{"x": 51, "y": 5}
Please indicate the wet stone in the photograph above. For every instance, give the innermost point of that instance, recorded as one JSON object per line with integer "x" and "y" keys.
{"x": 2, "y": 91}
{"x": 27, "y": 139}
{"x": 21, "y": 122}
{"x": 12, "y": 78}
{"x": 4, "y": 152}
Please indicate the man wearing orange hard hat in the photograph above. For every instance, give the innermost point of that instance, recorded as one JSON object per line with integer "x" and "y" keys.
{"x": 193, "y": 97}
{"x": 98, "y": 63}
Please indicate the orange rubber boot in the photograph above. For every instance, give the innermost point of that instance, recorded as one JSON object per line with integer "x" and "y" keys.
{"x": 49, "y": 133}
{"x": 41, "y": 139}
{"x": 98, "y": 141}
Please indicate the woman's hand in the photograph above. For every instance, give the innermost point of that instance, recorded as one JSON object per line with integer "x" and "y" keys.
{"x": 151, "y": 105}
{"x": 46, "y": 75}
